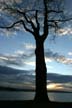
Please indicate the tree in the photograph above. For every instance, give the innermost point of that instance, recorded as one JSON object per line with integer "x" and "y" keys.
{"x": 38, "y": 18}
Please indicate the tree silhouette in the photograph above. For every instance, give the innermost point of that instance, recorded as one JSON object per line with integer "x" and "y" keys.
{"x": 38, "y": 17}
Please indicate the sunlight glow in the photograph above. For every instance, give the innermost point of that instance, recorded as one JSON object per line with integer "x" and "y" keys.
{"x": 48, "y": 60}
{"x": 54, "y": 86}
{"x": 31, "y": 63}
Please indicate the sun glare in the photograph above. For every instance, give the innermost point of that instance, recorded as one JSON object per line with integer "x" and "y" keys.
{"x": 51, "y": 86}
{"x": 54, "y": 86}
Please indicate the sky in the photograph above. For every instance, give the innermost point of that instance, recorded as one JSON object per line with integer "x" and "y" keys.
{"x": 17, "y": 50}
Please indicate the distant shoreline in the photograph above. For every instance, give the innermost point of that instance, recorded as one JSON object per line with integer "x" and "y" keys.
{"x": 30, "y": 90}
{"x": 14, "y": 89}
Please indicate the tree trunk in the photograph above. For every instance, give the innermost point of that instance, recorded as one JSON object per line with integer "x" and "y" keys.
{"x": 41, "y": 73}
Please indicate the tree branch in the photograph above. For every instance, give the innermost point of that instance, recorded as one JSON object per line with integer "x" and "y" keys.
{"x": 36, "y": 16}
{"x": 25, "y": 17}
{"x": 58, "y": 20}
{"x": 12, "y": 25}
{"x": 45, "y": 22}
{"x": 51, "y": 25}
{"x": 54, "y": 11}
{"x": 29, "y": 21}
{"x": 27, "y": 29}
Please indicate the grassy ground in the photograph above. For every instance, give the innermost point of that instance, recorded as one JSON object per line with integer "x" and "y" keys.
{"x": 33, "y": 104}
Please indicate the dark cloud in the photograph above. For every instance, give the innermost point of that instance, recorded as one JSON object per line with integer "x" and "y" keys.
{"x": 51, "y": 54}
{"x": 59, "y": 81}
{"x": 58, "y": 78}
{"x": 25, "y": 79}
{"x": 57, "y": 57}
{"x": 17, "y": 59}
{"x": 11, "y": 77}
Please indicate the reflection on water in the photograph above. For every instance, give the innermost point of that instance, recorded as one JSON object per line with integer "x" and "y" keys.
{"x": 8, "y": 95}
{"x": 59, "y": 97}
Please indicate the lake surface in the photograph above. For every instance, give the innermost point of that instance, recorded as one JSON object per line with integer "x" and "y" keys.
{"x": 53, "y": 96}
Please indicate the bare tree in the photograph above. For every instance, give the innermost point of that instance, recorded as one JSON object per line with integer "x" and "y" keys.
{"x": 38, "y": 17}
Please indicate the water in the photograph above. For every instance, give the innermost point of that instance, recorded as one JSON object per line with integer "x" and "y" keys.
{"x": 8, "y": 95}
{"x": 59, "y": 97}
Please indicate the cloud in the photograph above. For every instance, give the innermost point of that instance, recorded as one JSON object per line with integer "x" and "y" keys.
{"x": 57, "y": 57}
{"x": 11, "y": 1}
{"x": 16, "y": 78}
{"x": 21, "y": 58}
{"x": 3, "y": 58}
{"x": 65, "y": 31}
{"x": 25, "y": 79}
{"x": 16, "y": 59}
{"x": 10, "y": 61}
{"x": 47, "y": 59}
{"x": 7, "y": 33}
{"x": 24, "y": 55}
{"x": 18, "y": 1}
{"x": 29, "y": 46}
{"x": 14, "y": 81}
{"x": 70, "y": 53}
{"x": 19, "y": 52}
{"x": 31, "y": 63}
{"x": 65, "y": 60}
{"x": 59, "y": 82}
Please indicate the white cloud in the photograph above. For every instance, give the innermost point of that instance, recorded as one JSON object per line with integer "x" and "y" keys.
{"x": 3, "y": 58}
{"x": 29, "y": 46}
{"x": 31, "y": 63}
{"x": 11, "y": 1}
{"x": 65, "y": 60}
{"x": 48, "y": 59}
{"x": 19, "y": 52}
{"x": 65, "y": 31}
{"x": 18, "y": 59}
{"x": 70, "y": 53}
{"x": 11, "y": 60}
{"x": 54, "y": 56}
{"x": 7, "y": 33}
{"x": 18, "y": 1}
